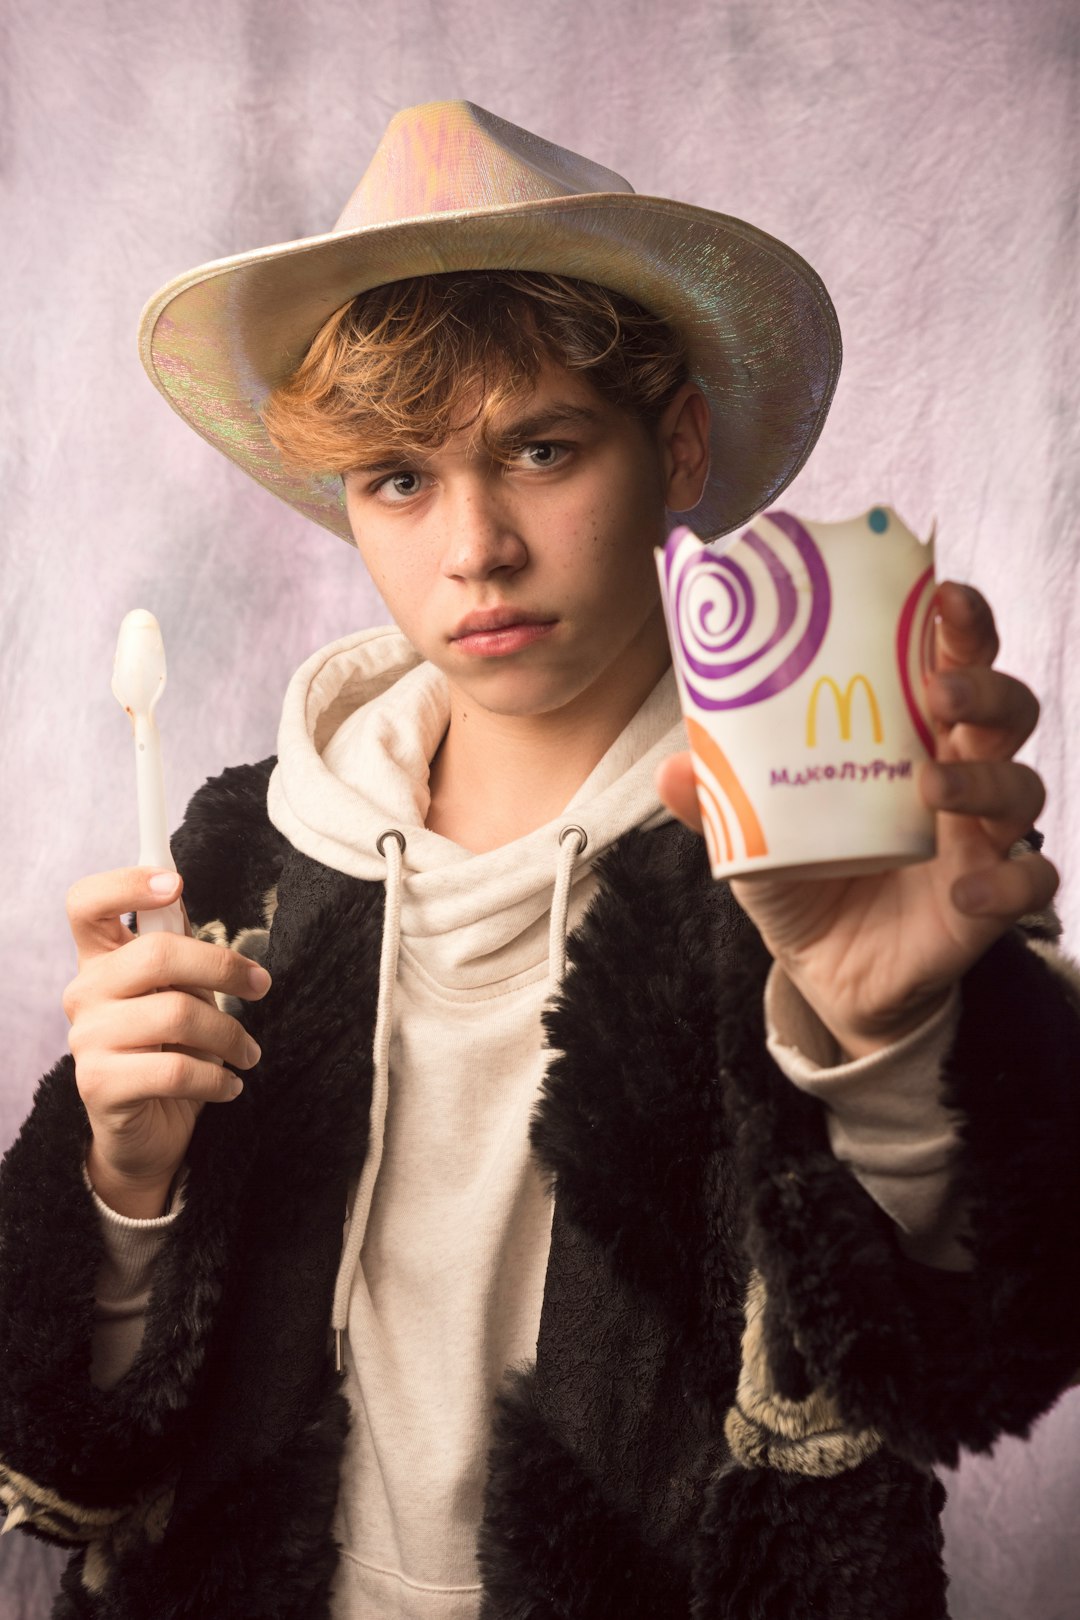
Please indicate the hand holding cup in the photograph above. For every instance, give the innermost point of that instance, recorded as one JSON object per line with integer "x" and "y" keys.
{"x": 876, "y": 949}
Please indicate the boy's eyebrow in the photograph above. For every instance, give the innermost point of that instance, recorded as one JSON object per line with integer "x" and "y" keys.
{"x": 552, "y": 416}
{"x": 384, "y": 464}
{"x": 518, "y": 430}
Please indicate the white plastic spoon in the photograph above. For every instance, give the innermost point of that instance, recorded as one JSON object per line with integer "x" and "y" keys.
{"x": 138, "y": 681}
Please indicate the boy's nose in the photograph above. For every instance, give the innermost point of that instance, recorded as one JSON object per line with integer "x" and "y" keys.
{"x": 482, "y": 535}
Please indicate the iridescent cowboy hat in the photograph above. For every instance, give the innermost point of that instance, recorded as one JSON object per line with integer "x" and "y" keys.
{"x": 452, "y": 187}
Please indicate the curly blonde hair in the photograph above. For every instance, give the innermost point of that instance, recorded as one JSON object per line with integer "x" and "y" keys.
{"x": 400, "y": 368}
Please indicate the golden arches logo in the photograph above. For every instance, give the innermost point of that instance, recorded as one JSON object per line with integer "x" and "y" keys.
{"x": 844, "y": 701}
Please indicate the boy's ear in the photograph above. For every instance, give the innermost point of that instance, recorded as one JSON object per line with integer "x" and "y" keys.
{"x": 684, "y": 445}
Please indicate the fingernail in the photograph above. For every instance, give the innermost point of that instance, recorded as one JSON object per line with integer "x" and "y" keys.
{"x": 253, "y": 1052}
{"x": 942, "y": 784}
{"x": 972, "y": 894}
{"x": 163, "y": 883}
{"x": 956, "y": 689}
{"x": 258, "y": 978}
{"x": 234, "y": 1089}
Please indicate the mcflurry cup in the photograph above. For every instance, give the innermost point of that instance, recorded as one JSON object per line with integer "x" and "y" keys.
{"x": 801, "y": 652}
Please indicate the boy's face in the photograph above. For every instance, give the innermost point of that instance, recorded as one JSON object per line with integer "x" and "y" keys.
{"x": 524, "y": 569}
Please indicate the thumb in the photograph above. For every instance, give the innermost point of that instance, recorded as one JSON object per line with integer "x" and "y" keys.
{"x": 677, "y": 788}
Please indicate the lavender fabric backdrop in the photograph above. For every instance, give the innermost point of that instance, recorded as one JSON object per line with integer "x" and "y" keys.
{"x": 923, "y": 156}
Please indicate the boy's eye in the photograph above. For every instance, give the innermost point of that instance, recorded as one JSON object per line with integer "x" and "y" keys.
{"x": 400, "y": 486}
{"x": 543, "y": 454}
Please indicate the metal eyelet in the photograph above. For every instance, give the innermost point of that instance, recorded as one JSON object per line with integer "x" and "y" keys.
{"x": 583, "y": 835}
{"x": 391, "y": 832}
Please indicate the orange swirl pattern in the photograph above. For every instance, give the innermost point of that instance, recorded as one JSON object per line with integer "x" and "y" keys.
{"x": 719, "y": 787}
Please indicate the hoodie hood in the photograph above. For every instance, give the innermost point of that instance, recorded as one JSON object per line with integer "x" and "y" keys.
{"x": 361, "y": 721}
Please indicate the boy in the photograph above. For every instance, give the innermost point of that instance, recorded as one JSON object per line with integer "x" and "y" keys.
{"x": 812, "y": 1220}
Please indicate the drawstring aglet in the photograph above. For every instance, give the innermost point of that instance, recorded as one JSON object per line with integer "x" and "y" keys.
{"x": 18, "y": 1513}
{"x": 339, "y": 1350}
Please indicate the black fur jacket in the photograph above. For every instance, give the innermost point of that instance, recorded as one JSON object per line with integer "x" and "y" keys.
{"x": 741, "y": 1383}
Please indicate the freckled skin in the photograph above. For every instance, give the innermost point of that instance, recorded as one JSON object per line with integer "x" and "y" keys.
{"x": 551, "y": 526}
{"x": 571, "y": 542}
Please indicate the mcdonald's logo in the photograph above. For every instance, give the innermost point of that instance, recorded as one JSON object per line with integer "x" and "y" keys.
{"x": 844, "y": 701}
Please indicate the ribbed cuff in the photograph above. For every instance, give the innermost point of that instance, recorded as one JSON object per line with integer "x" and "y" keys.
{"x": 886, "y": 1118}
{"x": 131, "y": 1245}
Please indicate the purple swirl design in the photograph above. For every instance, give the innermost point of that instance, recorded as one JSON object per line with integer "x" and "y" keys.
{"x": 713, "y": 610}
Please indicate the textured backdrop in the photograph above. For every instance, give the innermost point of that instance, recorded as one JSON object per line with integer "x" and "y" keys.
{"x": 921, "y": 154}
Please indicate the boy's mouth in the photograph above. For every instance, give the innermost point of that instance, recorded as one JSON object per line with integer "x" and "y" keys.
{"x": 494, "y": 632}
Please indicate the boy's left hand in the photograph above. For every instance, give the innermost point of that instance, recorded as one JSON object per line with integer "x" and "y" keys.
{"x": 876, "y": 956}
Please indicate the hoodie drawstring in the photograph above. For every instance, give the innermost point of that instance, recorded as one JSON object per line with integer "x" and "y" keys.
{"x": 572, "y": 842}
{"x": 391, "y": 846}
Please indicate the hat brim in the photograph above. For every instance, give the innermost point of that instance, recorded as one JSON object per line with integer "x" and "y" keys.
{"x": 760, "y": 331}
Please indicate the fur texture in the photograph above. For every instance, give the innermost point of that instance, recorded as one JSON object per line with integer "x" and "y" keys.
{"x": 682, "y": 1162}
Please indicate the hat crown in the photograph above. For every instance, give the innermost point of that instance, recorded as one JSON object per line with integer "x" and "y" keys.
{"x": 447, "y": 156}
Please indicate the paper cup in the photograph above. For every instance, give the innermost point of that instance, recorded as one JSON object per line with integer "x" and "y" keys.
{"x": 801, "y": 652}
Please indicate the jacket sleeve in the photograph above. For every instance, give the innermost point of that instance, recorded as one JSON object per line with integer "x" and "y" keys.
{"x": 886, "y": 1119}
{"x": 929, "y": 1360}
{"x": 75, "y": 1460}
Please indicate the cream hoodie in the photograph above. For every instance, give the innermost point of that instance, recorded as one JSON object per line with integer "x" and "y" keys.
{"x": 441, "y": 1279}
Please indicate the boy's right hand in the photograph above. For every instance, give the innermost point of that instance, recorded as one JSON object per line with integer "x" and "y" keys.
{"x": 126, "y": 1004}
